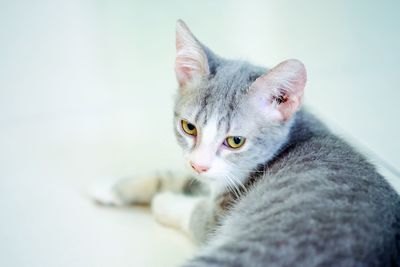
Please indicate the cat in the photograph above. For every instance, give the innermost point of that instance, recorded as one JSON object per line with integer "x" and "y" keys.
{"x": 274, "y": 187}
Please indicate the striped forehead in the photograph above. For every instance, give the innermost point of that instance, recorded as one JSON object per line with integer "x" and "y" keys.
{"x": 221, "y": 96}
{"x": 218, "y": 109}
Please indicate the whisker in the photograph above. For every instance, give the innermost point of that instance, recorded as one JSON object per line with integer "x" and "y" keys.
{"x": 240, "y": 183}
{"x": 233, "y": 186}
{"x": 237, "y": 190}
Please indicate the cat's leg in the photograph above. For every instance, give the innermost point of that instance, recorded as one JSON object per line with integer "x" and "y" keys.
{"x": 138, "y": 190}
{"x": 194, "y": 215}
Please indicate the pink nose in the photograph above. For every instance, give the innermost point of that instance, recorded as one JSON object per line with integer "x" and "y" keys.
{"x": 198, "y": 168}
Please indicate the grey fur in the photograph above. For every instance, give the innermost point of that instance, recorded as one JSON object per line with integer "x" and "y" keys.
{"x": 311, "y": 199}
{"x": 319, "y": 203}
{"x": 222, "y": 95}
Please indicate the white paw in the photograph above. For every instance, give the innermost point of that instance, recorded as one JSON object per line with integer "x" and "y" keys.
{"x": 161, "y": 207}
{"x": 174, "y": 210}
{"x": 104, "y": 193}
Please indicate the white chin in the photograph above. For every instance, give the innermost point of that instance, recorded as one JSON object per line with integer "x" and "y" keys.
{"x": 215, "y": 184}
{"x": 205, "y": 178}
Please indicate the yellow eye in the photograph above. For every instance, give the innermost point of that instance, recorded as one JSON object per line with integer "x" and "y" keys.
{"x": 189, "y": 128}
{"x": 234, "y": 141}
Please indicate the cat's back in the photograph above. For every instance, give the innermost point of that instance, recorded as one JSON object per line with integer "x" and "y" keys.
{"x": 319, "y": 203}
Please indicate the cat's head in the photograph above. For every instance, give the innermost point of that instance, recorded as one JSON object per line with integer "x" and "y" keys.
{"x": 231, "y": 116}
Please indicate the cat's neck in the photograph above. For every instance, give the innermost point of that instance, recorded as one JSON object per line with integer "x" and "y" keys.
{"x": 305, "y": 126}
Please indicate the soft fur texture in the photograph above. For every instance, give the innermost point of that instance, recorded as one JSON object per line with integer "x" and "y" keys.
{"x": 293, "y": 195}
{"x": 317, "y": 203}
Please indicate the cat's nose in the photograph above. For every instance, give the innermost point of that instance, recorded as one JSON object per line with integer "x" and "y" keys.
{"x": 198, "y": 168}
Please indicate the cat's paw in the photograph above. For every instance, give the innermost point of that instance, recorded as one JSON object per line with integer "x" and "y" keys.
{"x": 174, "y": 210}
{"x": 163, "y": 208}
{"x": 104, "y": 193}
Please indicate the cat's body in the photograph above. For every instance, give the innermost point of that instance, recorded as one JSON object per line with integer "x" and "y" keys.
{"x": 317, "y": 203}
{"x": 283, "y": 190}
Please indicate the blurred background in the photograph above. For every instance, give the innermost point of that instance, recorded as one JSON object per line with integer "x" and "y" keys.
{"x": 86, "y": 90}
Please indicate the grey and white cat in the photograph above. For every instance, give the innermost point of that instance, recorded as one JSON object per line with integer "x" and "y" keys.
{"x": 277, "y": 188}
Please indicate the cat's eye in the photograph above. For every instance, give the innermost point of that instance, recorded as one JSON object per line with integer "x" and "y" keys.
{"x": 234, "y": 141}
{"x": 188, "y": 128}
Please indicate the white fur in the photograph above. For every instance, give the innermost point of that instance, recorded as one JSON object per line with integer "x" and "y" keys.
{"x": 209, "y": 151}
{"x": 103, "y": 193}
{"x": 133, "y": 190}
{"x": 174, "y": 210}
{"x": 206, "y": 146}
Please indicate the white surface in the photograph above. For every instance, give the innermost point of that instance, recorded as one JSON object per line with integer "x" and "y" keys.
{"x": 86, "y": 92}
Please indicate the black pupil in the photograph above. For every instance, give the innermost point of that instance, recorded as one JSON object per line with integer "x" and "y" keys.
{"x": 190, "y": 126}
{"x": 237, "y": 139}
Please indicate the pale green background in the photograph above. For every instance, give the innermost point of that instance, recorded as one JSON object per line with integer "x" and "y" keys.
{"x": 86, "y": 91}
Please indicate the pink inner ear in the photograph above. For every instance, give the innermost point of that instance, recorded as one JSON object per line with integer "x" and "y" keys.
{"x": 191, "y": 61}
{"x": 182, "y": 75}
{"x": 283, "y": 87}
{"x": 290, "y": 106}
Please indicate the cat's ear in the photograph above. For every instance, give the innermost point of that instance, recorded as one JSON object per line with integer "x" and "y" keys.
{"x": 279, "y": 92}
{"x": 191, "y": 62}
